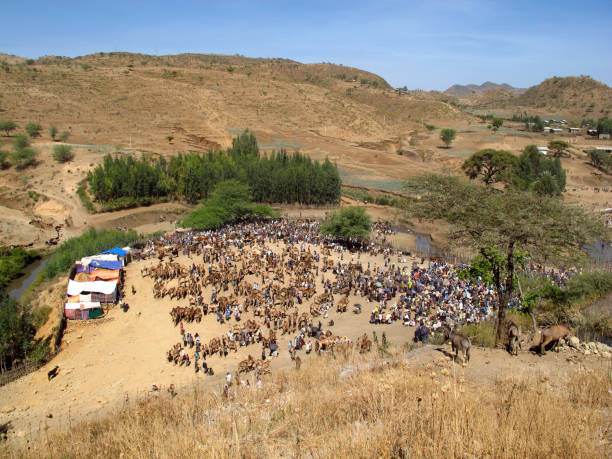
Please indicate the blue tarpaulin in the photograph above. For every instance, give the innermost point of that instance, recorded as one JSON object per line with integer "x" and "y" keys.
{"x": 116, "y": 251}
{"x": 106, "y": 264}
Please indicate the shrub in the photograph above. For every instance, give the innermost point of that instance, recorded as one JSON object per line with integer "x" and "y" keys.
{"x": 3, "y": 156}
{"x": 21, "y": 141}
{"x": 23, "y": 158}
{"x": 448, "y": 135}
{"x": 62, "y": 153}
{"x": 63, "y": 136}
{"x": 33, "y": 129}
{"x": 52, "y": 131}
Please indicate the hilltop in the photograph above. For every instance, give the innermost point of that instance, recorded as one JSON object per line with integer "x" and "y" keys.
{"x": 572, "y": 97}
{"x": 469, "y": 89}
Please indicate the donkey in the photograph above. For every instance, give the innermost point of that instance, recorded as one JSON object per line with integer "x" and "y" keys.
{"x": 553, "y": 334}
{"x": 514, "y": 334}
{"x": 459, "y": 343}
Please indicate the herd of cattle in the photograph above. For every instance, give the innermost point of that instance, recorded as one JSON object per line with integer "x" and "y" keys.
{"x": 273, "y": 305}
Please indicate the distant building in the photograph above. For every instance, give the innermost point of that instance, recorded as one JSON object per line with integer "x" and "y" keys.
{"x": 606, "y": 149}
{"x": 604, "y": 136}
{"x": 572, "y": 130}
{"x": 543, "y": 150}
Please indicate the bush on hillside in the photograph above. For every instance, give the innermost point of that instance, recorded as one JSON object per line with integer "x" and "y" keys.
{"x": 33, "y": 129}
{"x": 21, "y": 141}
{"x": 62, "y": 153}
{"x": 23, "y": 158}
{"x": 7, "y": 127}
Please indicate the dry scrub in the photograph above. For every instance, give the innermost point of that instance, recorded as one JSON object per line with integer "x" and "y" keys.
{"x": 377, "y": 409}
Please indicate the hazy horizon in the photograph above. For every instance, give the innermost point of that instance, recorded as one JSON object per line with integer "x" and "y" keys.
{"x": 428, "y": 45}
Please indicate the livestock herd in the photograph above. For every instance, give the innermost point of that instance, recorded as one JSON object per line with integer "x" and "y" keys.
{"x": 257, "y": 287}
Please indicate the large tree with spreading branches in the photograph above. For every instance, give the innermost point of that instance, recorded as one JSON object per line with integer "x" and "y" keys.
{"x": 505, "y": 227}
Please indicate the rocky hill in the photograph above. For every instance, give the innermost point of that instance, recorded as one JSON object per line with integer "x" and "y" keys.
{"x": 469, "y": 89}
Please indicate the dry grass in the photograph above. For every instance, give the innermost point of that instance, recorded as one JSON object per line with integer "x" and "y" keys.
{"x": 380, "y": 409}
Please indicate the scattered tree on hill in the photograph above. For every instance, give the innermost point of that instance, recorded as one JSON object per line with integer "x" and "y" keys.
{"x": 348, "y": 223}
{"x": 602, "y": 160}
{"x": 558, "y": 147}
{"x": 504, "y": 227}
{"x": 604, "y": 125}
{"x": 7, "y": 127}
{"x": 491, "y": 165}
{"x": 63, "y": 137}
{"x": 533, "y": 166}
{"x": 62, "y": 153}
{"x": 169, "y": 139}
{"x": 23, "y": 158}
{"x": 448, "y": 135}
{"x": 497, "y": 123}
{"x": 21, "y": 141}
{"x": 52, "y": 131}
{"x": 33, "y": 129}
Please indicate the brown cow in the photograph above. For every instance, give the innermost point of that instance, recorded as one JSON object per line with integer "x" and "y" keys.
{"x": 553, "y": 334}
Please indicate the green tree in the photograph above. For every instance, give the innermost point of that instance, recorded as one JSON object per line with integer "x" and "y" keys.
{"x": 23, "y": 158}
{"x": 62, "y": 153}
{"x": 52, "y": 131}
{"x": 16, "y": 331}
{"x": 558, "y": 147}
{"x": 491, "y": 165}
{"x": 21, "y": 141}
{"x": 505, "y": 227}
{"x": 3, "y": 157}
{"x": 601, "y": 160}
{"x": 497, "y": 122}
{"x": 63, "y": 137}
{"x": 348, "y": 223}
{"x": 33, "y": 129}
{"x": 448, "y": 135}
{"x": 169, "y": 138}
{"x": 532, "y": 165}
{"x": 7, "y": 127}
{"x": 604, "y": 125}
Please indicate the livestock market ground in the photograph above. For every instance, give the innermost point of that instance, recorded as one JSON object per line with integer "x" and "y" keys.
{"x": 110, "y": 361}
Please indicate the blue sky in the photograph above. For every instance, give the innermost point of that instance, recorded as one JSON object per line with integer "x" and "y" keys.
{"x": 422, "y": 44}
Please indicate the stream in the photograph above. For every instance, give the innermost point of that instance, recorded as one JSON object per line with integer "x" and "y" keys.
{"x": 16, "y": 288}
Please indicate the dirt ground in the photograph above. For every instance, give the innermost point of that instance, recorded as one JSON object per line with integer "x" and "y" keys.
{"x": 107, "y": 361}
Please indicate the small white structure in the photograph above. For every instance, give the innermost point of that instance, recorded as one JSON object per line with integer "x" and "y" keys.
{"x": 543, "y": 150}
{"x": 606, "y": 149}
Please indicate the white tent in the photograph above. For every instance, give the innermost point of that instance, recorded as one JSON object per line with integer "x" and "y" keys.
{"x": 105, "y": 287}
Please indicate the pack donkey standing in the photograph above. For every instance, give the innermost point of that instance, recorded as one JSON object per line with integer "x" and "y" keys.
{"x": 459, "y": 343}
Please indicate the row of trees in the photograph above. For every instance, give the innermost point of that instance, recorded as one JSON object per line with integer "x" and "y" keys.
{"x": 279, "y": 177}
{"x": 34, "y": 130}
{"x": 530, "y": 171}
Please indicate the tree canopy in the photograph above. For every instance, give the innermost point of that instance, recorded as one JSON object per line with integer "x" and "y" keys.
{"x": 447, "y": 135}
{"x": 280, "y": 177}
{"x": 7, "y": 127}
{"x": 537, "y": 172}
{"x": 558, "y": 147}
{"x": 347, "y": 223}
{"x": 503, "y": 227}
{"x": 491, "y": 165}
{"x": 229, "y": 201}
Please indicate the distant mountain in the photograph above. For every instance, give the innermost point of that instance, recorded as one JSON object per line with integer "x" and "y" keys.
{"x": 469, "y": 89}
